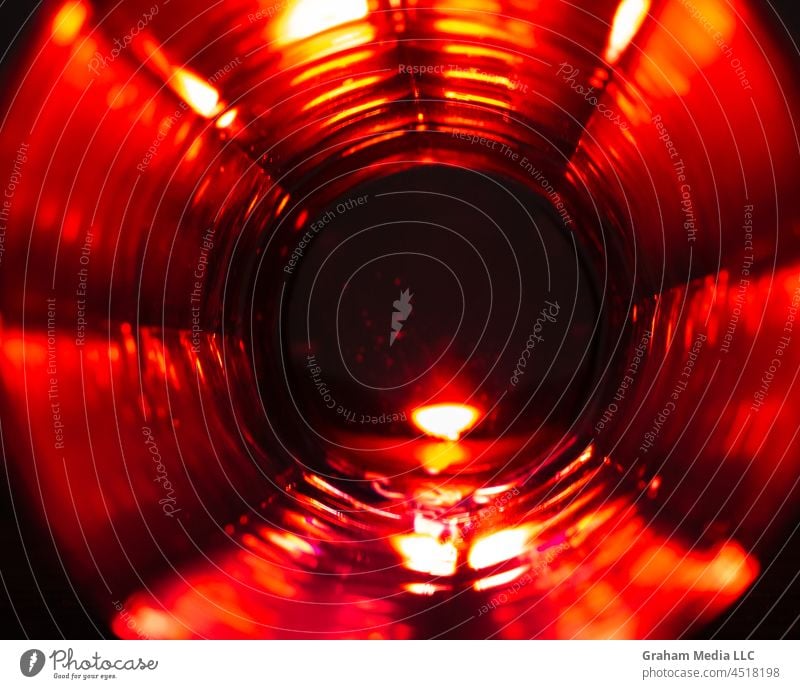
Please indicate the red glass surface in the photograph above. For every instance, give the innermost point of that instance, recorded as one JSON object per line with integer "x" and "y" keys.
{"x": 634, "y": 163}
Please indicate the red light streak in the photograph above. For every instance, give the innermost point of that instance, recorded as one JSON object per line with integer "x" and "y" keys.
{"x": 627, "y": 21}
{"x": 445, "y": 421}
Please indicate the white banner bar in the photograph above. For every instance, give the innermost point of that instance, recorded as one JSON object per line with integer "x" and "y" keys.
{"x": 404, "y": 665}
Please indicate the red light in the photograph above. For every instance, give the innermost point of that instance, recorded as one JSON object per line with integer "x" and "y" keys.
{"x": 198, "y": 93}
{"x": 226, "y": 120}
{"x": 627, "y": 22}
{"x": 68, "y": 22}
{"x": 343, "y": 530}
{"x": 427, "y": 554}
{"x": 499, "y": 547}
{"x": 445, "y": 421}
{"x": 307, "y": 18}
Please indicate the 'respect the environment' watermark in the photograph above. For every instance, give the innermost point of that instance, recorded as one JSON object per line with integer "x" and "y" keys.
{"x": 526, "y": 164}
{"x": 226, "y": 69}
{"x": 168, "y": 123}
{"x": 748, "y": 260}
{"x": 163, "y": 130}
{"x": 53, "y": 394}
{"x": 268, "y": 12}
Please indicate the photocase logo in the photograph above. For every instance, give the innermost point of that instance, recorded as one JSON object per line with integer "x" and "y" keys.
{"x": 31, "y": 662}
{"x": 402, "y": 310}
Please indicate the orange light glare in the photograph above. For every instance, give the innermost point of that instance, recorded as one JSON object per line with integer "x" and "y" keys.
{"x": 198, "y": 93}
{"x": 310, "y": 17}
{"x": 446, "y": 421}
{"x": 474, "y": 98}
{"x": 480, "y": 51}
{"x": 427, "y": 554}
{"x": 492, "y": 79}
{"x": 226, "y": 119}
{"x": 288, "y": 542}
{"x": 68, "y": 22}
{"x": 423, "y": 589}
{"x": 502, "y": 579}
{"x": 627, "y": 21}
{"x": 348, "y": 87}
{"x": 18, "y": 352}
{"x": 147, "y": 623}
{"x": 356, "y": 110}
{"x": 436, "y": 457}
{"x": 499, "y": 547}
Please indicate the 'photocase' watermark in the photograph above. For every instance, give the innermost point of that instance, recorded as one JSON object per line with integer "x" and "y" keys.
{"x": 549, "y": 314}
{"x": 570, "y": 75}
{"x": 99, "y": 61}
{"x": 168, "y": 502}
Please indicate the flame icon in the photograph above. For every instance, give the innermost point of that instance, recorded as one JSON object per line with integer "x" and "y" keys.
{"x": 402, "y": 310}
{"x": 31, "y": 662}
